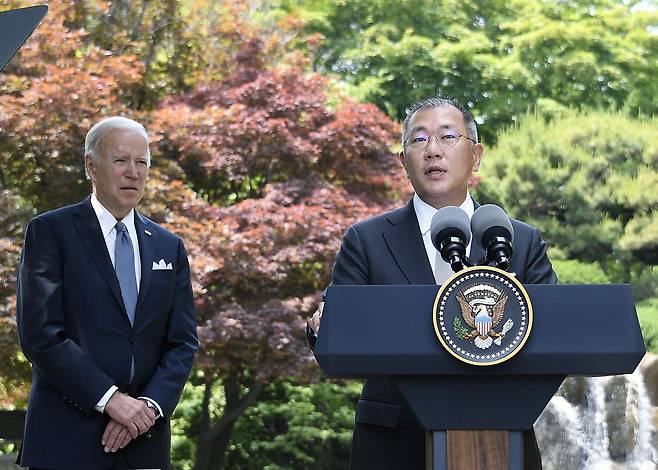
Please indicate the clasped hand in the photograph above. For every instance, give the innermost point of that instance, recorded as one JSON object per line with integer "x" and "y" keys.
{"x": 130, "y": 418}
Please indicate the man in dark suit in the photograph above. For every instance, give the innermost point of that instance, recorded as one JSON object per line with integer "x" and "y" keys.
{"x": 106, "y": 317}
{"x": 440, "y": 152}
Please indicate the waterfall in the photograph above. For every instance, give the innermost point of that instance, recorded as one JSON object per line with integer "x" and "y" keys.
{"x": 645, "y": 453}
{"x": 596, "y": 437}
{"x": 602, "y": 423}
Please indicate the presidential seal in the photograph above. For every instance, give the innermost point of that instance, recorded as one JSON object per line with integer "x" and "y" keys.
{"x": 482, "y": 315}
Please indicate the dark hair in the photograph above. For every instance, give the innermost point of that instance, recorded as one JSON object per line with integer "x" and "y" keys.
{"x": 437, "y": 102}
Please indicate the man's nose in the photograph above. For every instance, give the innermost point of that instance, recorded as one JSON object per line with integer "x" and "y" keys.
{"x": 131, "y": 170}
{"x": 434, "y": 148}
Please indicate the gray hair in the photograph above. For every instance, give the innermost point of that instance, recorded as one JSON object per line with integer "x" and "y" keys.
{"x": 96, "y": 134}
{"x": 437, "y": 102}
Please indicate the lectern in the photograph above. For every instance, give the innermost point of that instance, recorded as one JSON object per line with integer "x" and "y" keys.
{"x": 387, "y": 331}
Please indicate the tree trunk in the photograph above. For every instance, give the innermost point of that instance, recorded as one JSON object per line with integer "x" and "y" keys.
{"x": 137, "y": 25}
{"x": 214, "y": 438}
{"x": 204, "y": 446}
{"x": 219, "y": 447}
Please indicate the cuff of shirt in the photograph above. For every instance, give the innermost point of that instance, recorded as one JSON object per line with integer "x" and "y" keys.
{"x": 100, "y": 406}
{"x": 154, "y": 403}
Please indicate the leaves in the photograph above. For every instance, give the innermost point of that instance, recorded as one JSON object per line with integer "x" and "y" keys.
{"x": 283, "y": 176}
{"x": 498, "y": 57}
{"x": 587, "y": 181}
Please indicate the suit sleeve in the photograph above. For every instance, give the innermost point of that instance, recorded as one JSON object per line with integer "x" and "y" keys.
{"x": 351, "y": 266}
{"x": 538, "y": 267}
{"x": 42, "y": 323}
{"x": 167, "y": 382}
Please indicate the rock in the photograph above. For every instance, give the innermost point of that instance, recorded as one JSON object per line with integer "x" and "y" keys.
{"x": 602, "y": 423}
{"x": 574, "y": 390}
{"x": 559, "y": 436}
{"x": 620, "y": 418}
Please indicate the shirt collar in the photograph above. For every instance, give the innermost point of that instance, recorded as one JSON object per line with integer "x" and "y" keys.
{"x": 425, "y": 212}
{"x": 107, "y": 221}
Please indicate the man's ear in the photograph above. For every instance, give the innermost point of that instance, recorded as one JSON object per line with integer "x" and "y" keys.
{"x": 403, "y": 161}
{"x": 89, "y": 163}
{"x": 478, "y": 151}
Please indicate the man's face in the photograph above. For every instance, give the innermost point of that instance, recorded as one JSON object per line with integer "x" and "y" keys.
{"x": 120, "y": 171}
{"x": 440, "y": 174}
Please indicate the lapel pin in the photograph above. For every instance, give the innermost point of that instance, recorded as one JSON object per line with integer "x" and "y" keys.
{"x": 147, "y": 232}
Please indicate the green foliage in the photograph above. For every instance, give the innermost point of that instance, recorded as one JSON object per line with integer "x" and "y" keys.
{"x": 587, "y": 180}
{"x": 183, "y": 423}
{"x": 500, "y": 57}
{"x": 646, "y": 284}
{"x": 647, "y": 312}
{"x": 291, "y": 427}
{"x": 296, "y": 427}
{"x": 576, "y": 272}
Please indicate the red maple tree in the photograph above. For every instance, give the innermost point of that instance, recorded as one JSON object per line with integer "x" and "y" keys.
{"x": 286, "y": 174}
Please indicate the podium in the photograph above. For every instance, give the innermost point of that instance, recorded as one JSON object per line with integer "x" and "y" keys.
{"x": 387, "y": 331}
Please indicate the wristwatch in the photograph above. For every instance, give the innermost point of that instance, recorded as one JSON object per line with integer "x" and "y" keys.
{"x": 150, "y": 405}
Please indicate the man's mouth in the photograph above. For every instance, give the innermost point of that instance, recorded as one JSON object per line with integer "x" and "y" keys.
{"x": 434, "y": 171}
{"x": 129, "y": 188}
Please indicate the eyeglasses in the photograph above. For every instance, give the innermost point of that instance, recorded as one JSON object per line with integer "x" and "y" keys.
{"x": 449, "y": 139}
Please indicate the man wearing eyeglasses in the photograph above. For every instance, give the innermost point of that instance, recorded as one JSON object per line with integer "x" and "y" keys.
{"x": 440, "y": 151}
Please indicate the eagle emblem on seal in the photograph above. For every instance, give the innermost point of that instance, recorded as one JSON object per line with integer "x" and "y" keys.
{"x": 482, "y": 308}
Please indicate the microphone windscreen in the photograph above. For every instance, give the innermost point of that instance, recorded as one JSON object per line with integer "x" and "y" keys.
{"x": 490, "y": 221}
{"x": 450, "y": 221}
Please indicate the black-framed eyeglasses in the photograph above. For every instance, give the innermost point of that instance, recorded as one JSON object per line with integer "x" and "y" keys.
{"x": 449, "y": 139}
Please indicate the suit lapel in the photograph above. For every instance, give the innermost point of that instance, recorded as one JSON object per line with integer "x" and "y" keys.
{"x": 146, "y": 237}
{"x": 405, "y": 241}
{"x": 86, "y": 223}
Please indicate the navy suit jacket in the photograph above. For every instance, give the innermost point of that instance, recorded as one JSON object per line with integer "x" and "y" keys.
{"x": 389, "y": 249}
{"x": 74, "y": 329}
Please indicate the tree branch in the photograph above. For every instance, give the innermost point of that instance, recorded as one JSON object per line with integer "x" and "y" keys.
{"x": 233, "y": 413}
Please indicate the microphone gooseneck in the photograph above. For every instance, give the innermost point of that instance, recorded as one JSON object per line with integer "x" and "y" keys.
{"x": 450, "y": 233}
{"x": 493, "y": 229}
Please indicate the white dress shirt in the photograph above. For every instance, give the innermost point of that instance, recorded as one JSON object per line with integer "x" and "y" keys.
{"x": 424, "y": 213}
{"x": 108, "y": 222}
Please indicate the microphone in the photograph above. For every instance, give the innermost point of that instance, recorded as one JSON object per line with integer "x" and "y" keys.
{"x": 493, "y": 229}
{"x": 450, "y": 233}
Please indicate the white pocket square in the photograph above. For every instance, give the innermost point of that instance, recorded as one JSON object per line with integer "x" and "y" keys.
{"x": 161, "y": 266}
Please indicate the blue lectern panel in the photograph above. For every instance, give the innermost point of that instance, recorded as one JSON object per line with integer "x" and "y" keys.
{"x": 388, "y": 330}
